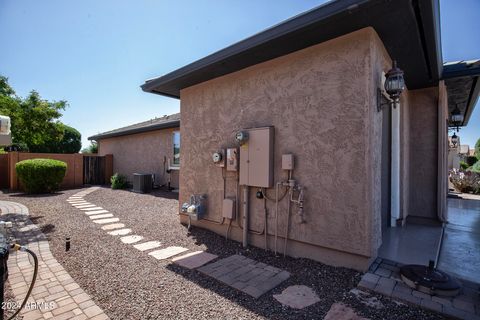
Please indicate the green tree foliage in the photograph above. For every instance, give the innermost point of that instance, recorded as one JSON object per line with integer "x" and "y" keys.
{"x": 471, "y": 160}
{"x": 477, "y": 149}
{"x": 68, "y": 141}
{"x": 475, "y": 167}
{"x": 35, "y": 125}
{"x": 92, "y": 148}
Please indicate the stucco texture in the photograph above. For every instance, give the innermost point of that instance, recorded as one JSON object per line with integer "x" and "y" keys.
{"x": 142, "y": 153}
{"x": 322, "y": 103}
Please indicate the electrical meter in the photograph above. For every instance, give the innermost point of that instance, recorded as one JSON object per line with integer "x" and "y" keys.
{"x": 218, "y": 158}
{"x": 241, "y": 137}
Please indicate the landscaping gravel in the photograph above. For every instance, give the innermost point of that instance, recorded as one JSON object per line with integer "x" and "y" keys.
{"x": 129, "y": 284}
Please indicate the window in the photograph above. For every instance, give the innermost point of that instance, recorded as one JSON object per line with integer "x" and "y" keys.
{"x": 176, "y": 148}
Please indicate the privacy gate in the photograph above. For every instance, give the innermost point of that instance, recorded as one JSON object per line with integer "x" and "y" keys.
{"x": 94, "y": 170}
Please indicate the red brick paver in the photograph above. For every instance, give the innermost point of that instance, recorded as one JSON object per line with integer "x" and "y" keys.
{"x": 55, "y": 295}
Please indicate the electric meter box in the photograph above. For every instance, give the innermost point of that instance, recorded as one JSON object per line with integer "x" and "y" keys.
{"x": 256, "y": 158}
{"x": 232, "y": 159}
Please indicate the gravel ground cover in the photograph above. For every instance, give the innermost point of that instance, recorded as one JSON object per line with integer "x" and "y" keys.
{"x": 129, "y": 284}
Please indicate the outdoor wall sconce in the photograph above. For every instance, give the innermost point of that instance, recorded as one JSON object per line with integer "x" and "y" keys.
{"x": 456, "y": 117}
{"x": 454, "y": 140}
{"x": 394, "y": 86}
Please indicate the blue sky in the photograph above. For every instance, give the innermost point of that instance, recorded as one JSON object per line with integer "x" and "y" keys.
{"x": 95, "y": 54}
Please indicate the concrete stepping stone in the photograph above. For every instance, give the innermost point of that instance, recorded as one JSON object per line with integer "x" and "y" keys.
{"x": 249, "y": 276}
{"x": 109, "y": 220}
{"x": 101, "y": 216}
{"x": 297, "y": 297}
{"x": 83, "y": 203}
{"x": 167, "y": 252}
{"x": 131, "y": 239}
{"x": 92, "y": 209}
{"x": 113, "y": 226}
{"x": 194, "y": 260}
{"x": 120, "y": 232}
{"x": 95, "y": 212}
{"x": 339, "y": 311}
{"x": 147, "y": 245}
{"x": 82, "y": 206}
{"x": 75, "y": 197}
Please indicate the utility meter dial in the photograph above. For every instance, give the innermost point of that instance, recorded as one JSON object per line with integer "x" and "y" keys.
{"x": 241, "y": 137}
{"x": 217, "y": 157}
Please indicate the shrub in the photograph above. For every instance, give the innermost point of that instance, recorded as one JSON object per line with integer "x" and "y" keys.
{"x": 463, "y": 165}
{"x": 41, "y": 175}
{"x": 465, "y": 181}
{"x": 471, "y": 160}
{"x": 119, "y": 181}
{"x": 475, "y": 167}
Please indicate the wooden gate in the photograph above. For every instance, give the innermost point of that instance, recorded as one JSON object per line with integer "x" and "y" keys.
{"x": 4, "y": 174}
{"x": 93, "y": 170}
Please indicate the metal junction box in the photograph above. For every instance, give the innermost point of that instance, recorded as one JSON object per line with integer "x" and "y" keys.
{"x": 228, "y": 209}
{"x": 256, "y": 158}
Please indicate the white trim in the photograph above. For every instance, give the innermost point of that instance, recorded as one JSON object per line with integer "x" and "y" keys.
{"x": 395, "y": 174}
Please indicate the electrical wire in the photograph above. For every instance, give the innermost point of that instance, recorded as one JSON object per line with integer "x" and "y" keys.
{"x": 35, "y": 271}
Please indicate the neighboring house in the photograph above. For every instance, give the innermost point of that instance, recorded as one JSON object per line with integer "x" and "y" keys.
{"x": 152, "y": 146}
{"x": 315, "y": 79}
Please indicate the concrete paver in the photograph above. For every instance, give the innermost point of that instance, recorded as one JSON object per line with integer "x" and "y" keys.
{"x": 131, "y": 239}
{"x": 462, "y": 306}
{"x": 53, "y": 294}
{"x": 120, "y": 232}
{"x": 113, "y": 226}
{"x": 247, "y": 275}
{"x": 297, "y": 297}
{"x": 167, "y": 252}
{"x": 147, "y": 245}
{"x": 194, "y": 260}
{"x": 108, "y": 220}
{"x": 101, "y": 216}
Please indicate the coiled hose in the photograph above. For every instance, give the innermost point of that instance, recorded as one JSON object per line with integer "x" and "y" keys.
{"x": 35, "y": 271}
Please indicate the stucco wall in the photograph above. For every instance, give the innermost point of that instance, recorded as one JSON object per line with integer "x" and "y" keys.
{"x": 142, "y": 153}
{"x": 423, "y": 153}
{"x": 322, "y": 103}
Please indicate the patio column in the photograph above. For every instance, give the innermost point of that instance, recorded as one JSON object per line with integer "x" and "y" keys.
{"x": 395, "y": 174}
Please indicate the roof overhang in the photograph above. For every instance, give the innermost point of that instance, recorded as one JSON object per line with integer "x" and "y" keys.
{"x": 463, "y": 86}
{"x": 409, "y": 29}
{"x": 165, "y": 125}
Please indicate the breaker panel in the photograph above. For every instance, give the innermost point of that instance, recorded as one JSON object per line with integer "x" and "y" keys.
{"x": 256, "y": 158}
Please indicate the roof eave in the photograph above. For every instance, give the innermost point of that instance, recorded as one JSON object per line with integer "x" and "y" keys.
{"x": 169, "y": 125}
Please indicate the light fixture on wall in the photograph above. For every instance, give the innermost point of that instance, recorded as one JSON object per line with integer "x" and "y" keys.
{"x": 456, "y": 118}
{"x": 394, "y": 86}
{"x": 454, "y": 140}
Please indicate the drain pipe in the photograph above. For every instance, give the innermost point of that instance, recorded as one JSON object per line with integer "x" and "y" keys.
{"x": 245, "y": 216}
{"x": 287, "y": 226}
{"x": 277, "y": 187}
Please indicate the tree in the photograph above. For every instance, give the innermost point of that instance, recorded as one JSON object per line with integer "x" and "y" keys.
{"x": 92, "y": 148}
{"x": 477, "y": 149}
{"x": 69, "y": 141}
{"x": 35, "y": 125}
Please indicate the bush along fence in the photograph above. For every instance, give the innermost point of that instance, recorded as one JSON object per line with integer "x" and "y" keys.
{"x": 74, "y": 174}
{"x": 41, "y": 175}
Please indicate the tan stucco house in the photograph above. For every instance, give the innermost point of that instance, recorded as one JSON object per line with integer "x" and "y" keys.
{"x": 310, "y": 90}
{"x": 151, "y": 146}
